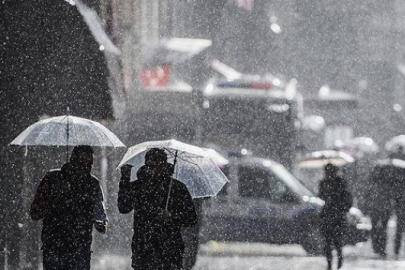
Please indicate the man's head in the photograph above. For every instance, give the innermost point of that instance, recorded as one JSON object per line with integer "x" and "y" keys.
{"x": 331, "y": 170}
{"x": 82, "y": 158}
{"x": 155, "y": 156}
{"x": 156, "y": 161}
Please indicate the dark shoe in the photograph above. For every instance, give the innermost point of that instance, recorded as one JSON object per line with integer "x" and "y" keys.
{"x": 329, "y": 265}
{"x": 340, "y": 262}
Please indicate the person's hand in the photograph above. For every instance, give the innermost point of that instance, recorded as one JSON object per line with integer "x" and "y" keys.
{"x": 126, "y": 172}
{"x": 165, "y": 215}
{"x": 101, "y": 226}
{"x": 169, "y": 169}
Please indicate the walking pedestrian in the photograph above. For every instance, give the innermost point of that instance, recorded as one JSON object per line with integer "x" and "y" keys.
{"x": 400, "y": 213}
{"x": 162, "y": 207}
{"x": 70, "y": 202}
{"x": 338, "y": 200}
{"x": 398, "y": 190}
{"x": 384, "y": 195}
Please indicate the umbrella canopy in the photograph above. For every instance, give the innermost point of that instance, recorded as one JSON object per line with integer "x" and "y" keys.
{"x": 194, "y": 166}
{"x": 358, "y": 146}
{"x": 67, "y": 130}
{"x": 395, "y": 143}
{"x": 321, "y": 158}
{"x": 218, "y": 158}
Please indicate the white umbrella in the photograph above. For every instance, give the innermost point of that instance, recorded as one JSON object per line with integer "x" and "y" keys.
{"x": 67, "y": 131}
{"x": 394, "y": 144}
{"x": 194, "y": 166}
{"x": 358, "y": 146}
{"x": 321, "y": 158}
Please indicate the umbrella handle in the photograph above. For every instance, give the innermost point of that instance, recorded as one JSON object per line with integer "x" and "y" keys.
{"x": 171, "y": 182}
{"x": 67, "y": 136}
{"x": 168, "y": 194}
{"x": 175, "y": 159}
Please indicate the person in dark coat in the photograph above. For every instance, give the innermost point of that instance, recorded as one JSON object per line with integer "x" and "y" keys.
{"x": 399, "y": 199}
{"x": 338, "y": 200}
{"x": 398, "y": 191}
{"x": 157, "y": 243}
{"x": 380, "y": 203}
{"x": 69, "y": 201}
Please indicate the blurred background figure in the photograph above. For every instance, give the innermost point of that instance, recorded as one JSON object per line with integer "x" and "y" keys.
{"x": 396, "y": 151}
{"x": 379, "y": 205}
{"x": 338, "y": 200}
{"x": 365, "y": 153}
{"x": 399, "y": 208}
{"x": 384, "y": 195}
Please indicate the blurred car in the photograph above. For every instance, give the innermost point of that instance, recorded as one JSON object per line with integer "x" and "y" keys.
{"x": 264, "y": 202}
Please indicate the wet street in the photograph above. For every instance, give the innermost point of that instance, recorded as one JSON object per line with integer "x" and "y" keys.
{"x": 268, "y": 257}
{"x": 255, "y": 256}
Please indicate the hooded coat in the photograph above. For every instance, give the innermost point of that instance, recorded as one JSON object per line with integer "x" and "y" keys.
{"x": 69, "y": 203}
{"x": 156, "y": 244}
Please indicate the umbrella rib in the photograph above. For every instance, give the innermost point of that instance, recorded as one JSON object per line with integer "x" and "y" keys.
{"x": 105, "y": 134}
{"x": 199, "y": 167}
{"x": 186, "y": 160}
{"x": 193, "y": 163}
{"x": 97, "y": 135}
{"x": 179, "y": 156}
{"x": 72, "y": 132}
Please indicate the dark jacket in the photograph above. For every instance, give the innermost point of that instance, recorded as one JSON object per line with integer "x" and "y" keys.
{"x": 381, "y": 193}
{"x": 338, "y": 200}
{"x": 156, "y": 244}
{"x": 68, "y": 204}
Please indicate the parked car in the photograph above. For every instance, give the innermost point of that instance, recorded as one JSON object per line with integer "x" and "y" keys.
{"x": 264, "y": 202}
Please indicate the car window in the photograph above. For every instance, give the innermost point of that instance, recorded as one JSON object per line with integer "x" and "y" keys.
{"x": 224, "y": 191}
{"x": 259, "y": 183}
{"x": 293, "y": 183}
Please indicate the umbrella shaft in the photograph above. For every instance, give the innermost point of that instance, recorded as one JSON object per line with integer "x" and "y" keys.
{"x": 168, "y": 194}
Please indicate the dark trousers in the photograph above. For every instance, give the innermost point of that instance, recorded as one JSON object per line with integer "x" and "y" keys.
{"x": 333, "y": 239}
{"x": 157, "y": 255}
{"x": 78, "y": 260}
{"x": 379, "y": 233}
{"x": 399, "y": 231}
{"x": 331, "y": 242}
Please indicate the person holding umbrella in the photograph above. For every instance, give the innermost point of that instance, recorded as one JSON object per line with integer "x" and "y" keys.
{"x": 162, "y": 207}
{"x": 69, "y": 201}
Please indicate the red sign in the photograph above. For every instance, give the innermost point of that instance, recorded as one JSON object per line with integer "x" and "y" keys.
{"x": 156, "y": 77}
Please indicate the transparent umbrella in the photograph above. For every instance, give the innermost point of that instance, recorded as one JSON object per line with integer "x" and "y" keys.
{"x": 194, "y": 165}
{"x": 67, "y": 131}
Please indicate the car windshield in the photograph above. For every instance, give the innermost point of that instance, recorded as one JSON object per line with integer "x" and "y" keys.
{"x": 291, "y": 181}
